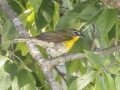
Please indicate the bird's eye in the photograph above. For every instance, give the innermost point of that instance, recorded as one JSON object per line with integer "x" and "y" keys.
{"x": 76, "y": 33}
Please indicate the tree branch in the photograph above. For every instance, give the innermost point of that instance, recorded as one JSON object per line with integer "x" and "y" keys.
{"x": 71, "y": 57}
{"x": 4, "y": 7}
{"x": 61, "y": 74}
{"x": 112, "y": 3}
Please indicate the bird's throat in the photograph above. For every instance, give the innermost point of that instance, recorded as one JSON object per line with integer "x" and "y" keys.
{"x": 70, "y": 43}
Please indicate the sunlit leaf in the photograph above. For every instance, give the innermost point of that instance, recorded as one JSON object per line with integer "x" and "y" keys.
{"x": 7, "y": 73}
{"x": 117, "y": 82}
{"x": 3, "y": 59}
{"x": 5, "y": 80}
{"x": 23, "y": 48}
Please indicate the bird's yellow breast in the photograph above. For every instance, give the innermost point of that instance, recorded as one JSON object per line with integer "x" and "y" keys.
{"x": 71, "y": 42}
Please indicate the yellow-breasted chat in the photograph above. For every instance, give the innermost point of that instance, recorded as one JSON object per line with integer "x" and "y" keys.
{"x": 57, "y": 42}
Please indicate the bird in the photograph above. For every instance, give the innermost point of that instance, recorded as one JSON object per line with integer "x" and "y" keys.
{"x": 57, "y": 43}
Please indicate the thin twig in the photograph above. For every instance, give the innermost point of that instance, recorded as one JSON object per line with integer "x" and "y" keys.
{"x": 20, "y": 61}
{"x": 61, "y": 74}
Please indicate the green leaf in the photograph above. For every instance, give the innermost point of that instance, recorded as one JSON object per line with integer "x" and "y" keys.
{"x": 94, "y": 16}
{"x": 6, "y": 44}
{"x": 11, "y": 68}
{"x": 30, "y": 18}
{"x": 43, "y": 52}
{"x": 108, "y": 82}
{"x": 106, "y": 21}
{"x": 87, "y": 13}
{"x": 94, "y": 59}
{"x": 74, "y": 66}
{"x": 71, "y": 17}
{"x": 67, "y": 4}
{"x": 16, "y": 6}
{"x": 30, "y": 22}
{"x": 63, "y": 22}
{"x": 23, "y": 47}
{"x": 36, "y": 4}
{"x": 77, "y": 66}
{"x": 45, "y": 13}
{"x": 98, "y": 83}
{"x": 3, "y": 59}
{"x": 82, "y": 81}
{"x": 117, "y": 82}
{"x": 23, "y": 17}
{"x": 117, "y": 29}
{"x": 114, "y": 69}
{"x": 23, "y": 81}
{"x": 55, "y": 19}
{"x": 0, "y": 49}
{"x": 5, "y": 80}
{"x": 7, "y": 73}
{"x": 39, "y": 74}
{"x": 33, "y": 31}
{"x": 8, "y": 34}
{"x": 117, "y": 57}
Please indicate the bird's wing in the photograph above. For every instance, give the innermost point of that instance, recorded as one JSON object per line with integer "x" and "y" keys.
{"x": 56, "y": 36}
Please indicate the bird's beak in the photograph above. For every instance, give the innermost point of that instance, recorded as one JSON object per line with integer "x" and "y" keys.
{"x": 82, "y": 36}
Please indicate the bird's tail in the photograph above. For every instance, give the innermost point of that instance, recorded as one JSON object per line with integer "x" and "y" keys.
{"x": 36, "y": 41}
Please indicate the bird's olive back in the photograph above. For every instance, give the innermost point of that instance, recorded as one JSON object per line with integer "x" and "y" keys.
{"x": 58, "y": 36}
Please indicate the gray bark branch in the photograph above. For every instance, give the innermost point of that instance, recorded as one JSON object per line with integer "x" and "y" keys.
{"x": 112, "y": 3}
{"x": 72, "y": 57}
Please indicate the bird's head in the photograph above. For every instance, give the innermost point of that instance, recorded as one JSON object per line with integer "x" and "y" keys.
{"x": 76, "y": 33}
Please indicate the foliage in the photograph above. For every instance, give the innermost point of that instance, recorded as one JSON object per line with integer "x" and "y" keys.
{"x": 99, "y": 24}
